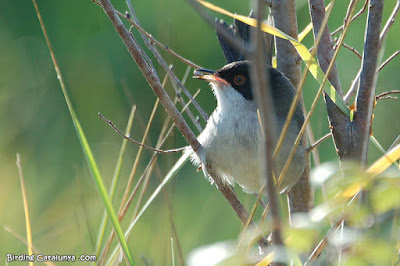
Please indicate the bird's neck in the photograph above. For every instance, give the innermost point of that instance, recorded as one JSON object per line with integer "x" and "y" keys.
{"x": 230, "y": 100}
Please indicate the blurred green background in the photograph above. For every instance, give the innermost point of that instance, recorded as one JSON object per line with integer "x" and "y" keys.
{"x": 65, "y": 208}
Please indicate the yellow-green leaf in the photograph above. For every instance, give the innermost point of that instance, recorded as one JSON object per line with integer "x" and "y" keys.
{"x": 385, "y": 161}
{"x": 378, "y": 167}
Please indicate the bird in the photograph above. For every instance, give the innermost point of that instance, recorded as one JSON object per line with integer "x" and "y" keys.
{"x": 232, "y": 138}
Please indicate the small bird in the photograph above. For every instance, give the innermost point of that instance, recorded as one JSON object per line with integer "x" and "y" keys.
{"x": 231, "y": 141}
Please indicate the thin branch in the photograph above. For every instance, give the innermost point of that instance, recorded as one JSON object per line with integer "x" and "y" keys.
{"x": 366, "y": 91}
{"x": 168, "y": 132}
{"x": 318, "y": 249}
{"x": 114, "y": 182}
{"x": 397, "y": 140}
{"x": 154, "y": 40}
{"x": 382, "y": 38}
{"x": 352, "y": 89}
{"x": 188, "y": 112}
{"x": 311, "y": 139}
{"x": 251, "y": 216}
{"x": 186, "y": 109}
{"x": 390, "y": 58}
{"x": 264, "y": 103}
{"x": 352, "y": 49}
{"x": 149, "y": 61}
{"x": 386, "y": 98}
{"x": 313, "y": 146}
{"x": 109, "y": 122}
{"x": 150, "y": 76}
{"x": 124, "y": 208}
{"x": 362, "y": 10}
{"x": 175, "y": 81}
{"x": 389, "y": 24}
{"x": 385, "y": 95}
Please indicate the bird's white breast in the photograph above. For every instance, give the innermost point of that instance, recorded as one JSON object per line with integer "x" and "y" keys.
{"x": 231, "y": 141}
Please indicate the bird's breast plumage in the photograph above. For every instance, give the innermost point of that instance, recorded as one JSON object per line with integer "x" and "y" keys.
{"x": 231, "y": 144}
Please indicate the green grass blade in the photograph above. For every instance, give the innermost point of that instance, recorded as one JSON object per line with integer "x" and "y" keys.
{"x": 26, "y": 209}
{"x": 86, "y": 149}
{"x": 174, "y": 170}
{"x": 379, "y": 147}
{"x": 117, "y": 170}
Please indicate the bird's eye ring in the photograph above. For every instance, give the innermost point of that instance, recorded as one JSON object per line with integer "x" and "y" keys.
{"x": 239, "y": 80}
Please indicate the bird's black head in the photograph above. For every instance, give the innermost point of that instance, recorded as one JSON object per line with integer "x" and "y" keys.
{"x": 235, "y": 74}
{"x": 238, "y": 76}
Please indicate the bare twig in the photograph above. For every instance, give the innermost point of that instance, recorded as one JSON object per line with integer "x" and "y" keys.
{"x": 397, "y": 140}
{"x": 390, "y": 58}
{"x": 175, "y": 81}
{"x": 382, "y": 38}
{"x": 179, "y": 98}
{"x": 251, "y": 216}
{"x": 137, "y": 142}
{"x": 362, "y": 10}
{"x": 386, "y": 98}
{"x": 114, "y": 182}
{"x": 154, "y": 40}
{"x": 313, "y": 146}
{"x": 366, "y": 91}
{"x": 311, "y": 139}
{"x": 318, "y": 249}
{"x": 389, "y": 24}
{"x": 124, "y": 208}
{"x": 385, "y": 95}
{"x": 133, "y": 171}
{"x": 188, "y": 112}
{"x": 150, "y": 76}
{"x": 352, "y": 49}
{"x": 264, "y": 103}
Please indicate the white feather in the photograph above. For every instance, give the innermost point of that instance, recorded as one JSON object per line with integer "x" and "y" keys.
{"x": 231, "y": 143}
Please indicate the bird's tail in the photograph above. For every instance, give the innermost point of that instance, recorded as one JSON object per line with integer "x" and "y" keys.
{"x": 241, "y": 31}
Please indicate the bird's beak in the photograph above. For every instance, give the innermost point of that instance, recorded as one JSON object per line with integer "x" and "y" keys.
{"x": 208, "y": 75}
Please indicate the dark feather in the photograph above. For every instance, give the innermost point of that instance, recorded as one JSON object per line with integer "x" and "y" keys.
{"x": 243, "y": 32}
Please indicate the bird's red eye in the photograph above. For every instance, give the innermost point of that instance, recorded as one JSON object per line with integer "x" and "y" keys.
{"x": 239, "y": 80}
